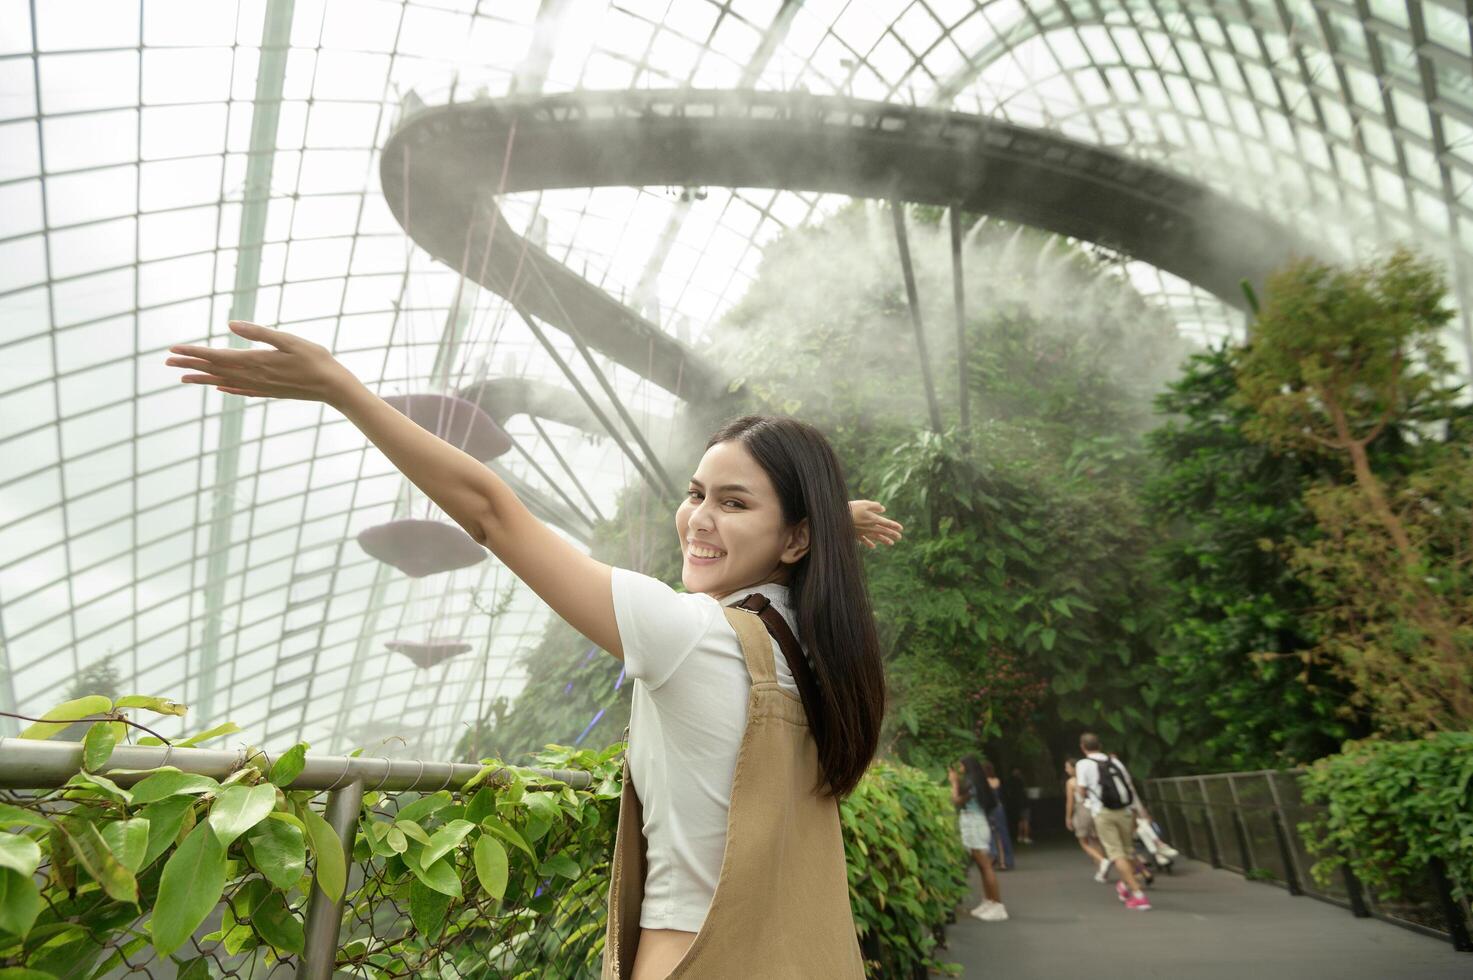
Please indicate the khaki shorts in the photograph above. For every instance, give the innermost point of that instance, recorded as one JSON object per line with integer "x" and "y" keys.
{"x": 1116, "y": 830}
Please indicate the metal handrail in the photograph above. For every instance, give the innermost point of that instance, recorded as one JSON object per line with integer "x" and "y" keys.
{"x": 1224, "y": 825}
{"x": 30, "y": 764}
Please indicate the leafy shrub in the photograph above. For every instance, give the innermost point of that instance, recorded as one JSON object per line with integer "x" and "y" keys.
{"x": 1392, "y": 807}
{"x": 907, "y": 868}
{"x": 507, "y": 879}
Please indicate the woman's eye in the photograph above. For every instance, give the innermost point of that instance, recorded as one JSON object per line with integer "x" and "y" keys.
{"x": 734, "y": 503}
{"x": 693, "y": 494}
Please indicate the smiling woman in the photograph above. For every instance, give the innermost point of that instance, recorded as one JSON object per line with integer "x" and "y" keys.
{"x": 745, "y": 729}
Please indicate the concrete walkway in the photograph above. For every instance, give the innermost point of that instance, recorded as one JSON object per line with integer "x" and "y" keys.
{"x": 1205, "y": 923}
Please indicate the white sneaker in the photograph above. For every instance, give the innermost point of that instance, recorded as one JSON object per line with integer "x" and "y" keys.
{"x": 986, "y": 904}
{"x": 1103, "y": 874}
{"x": 994, "y": 913}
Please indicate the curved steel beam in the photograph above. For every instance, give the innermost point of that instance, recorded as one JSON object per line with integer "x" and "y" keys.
{"x": 443, "y": 158}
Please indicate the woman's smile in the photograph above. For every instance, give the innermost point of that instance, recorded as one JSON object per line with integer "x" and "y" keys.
{"x": 698, "y": 553}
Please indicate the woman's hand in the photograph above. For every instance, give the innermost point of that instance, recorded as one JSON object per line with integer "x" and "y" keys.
{"x": 297, "y": 368}
{"x": 872, "y": 529}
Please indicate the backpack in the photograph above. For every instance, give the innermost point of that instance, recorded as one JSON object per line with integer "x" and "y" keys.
{"x": 1115, "y": 792}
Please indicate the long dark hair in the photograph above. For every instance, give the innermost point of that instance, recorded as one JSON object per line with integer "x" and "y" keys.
{"x": 836, "y": 623}
{"x": 977, "y": 786}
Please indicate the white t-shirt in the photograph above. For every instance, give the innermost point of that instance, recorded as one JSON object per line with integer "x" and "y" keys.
{"x": 1087, "y": 779}
{"x": 688, "y": 712}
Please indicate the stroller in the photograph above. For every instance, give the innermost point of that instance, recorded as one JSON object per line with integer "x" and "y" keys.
{"x": 1151, "y": 851}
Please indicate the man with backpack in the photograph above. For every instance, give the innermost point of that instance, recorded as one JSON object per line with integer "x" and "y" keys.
{"x": 1113, "y": 802}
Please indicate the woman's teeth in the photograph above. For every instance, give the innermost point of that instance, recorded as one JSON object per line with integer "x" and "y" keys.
{"x": 696, "y": 551}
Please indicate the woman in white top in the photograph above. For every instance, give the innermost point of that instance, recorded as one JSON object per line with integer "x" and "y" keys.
{"x": 765, "y": 512}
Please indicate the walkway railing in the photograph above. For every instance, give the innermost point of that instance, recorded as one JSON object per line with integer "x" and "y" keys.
{"x": 369, "y": 929}
{"x": 1249, "y": 822}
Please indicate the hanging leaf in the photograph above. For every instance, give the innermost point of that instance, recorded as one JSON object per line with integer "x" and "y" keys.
{"x": 66, "y": 712}
{"x": 279, "y": 851}
{"x": 128, "y": 841}
{"x": 20, "y": 902}
{"x": 445, "y": 840}
{"x": 440, "y": 875}
{"x": 165, "y": 819}
{"x": 560, "y": 864}
{"x": 169, "y": 782}
{"x": 290, "y": 765}
{"x": 195, "y": 969}
{"x": 229, "y": 728}
{"x": 100, "y": 784}
{"x": 11, "y": 816}
{"x": 277, "y": 924}
{"x": 162, "y": 706}
{"x": 94, "y": 856}
{"x": 424, "y": 806}
{"x": 240, "y": 808}
{"x": 491, "y": 866}
{"x": 427, "y": 910}
{"x": 189, "y": 889}
{"x": 327, "y": 853}
{"x": 99, "y": 742}
{"x": 20, "y": 854}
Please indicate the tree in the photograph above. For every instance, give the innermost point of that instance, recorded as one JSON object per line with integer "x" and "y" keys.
{"x": 1339, "y": 358}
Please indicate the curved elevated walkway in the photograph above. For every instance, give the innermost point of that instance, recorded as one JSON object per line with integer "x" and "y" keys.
{"x": 1212, "y": 925}
{"x": 443, "y": 167}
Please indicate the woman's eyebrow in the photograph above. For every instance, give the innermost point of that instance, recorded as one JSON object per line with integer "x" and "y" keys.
{"x": 724, "y": 488}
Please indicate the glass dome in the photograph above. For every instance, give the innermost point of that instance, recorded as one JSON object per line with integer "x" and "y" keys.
{"x": 167, "y": 165}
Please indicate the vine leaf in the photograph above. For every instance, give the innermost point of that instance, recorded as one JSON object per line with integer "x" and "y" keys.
{"x": 240, "y": 808}
{"x": 97, "y": 860}
{"x": 164, "y": 820}
{"x": 279, "y": 851}
{"x": 327, "y": 853}
{"x": 445, "y": 840}
{"x": 290, "y": 765}
{"x": 193, "y": 879}
{"x": 427, "y": 910}
{"x": 21, "y": 854}
{"x": 128, "y": 841}
{"x": 99, "y": 742}
{"x": 277, "y": 924}
{"x": 162, "y": 706}
{"x": 56, "y": 720}
{"x": 20, "y": 902}
{"x": 171, "y": 782}
{"x": 491, "y": 866}
{"x": 12, "y": 815}
{"x": 440, "y": 875}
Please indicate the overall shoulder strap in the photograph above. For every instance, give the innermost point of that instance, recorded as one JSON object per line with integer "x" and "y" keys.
{"x": 792, "y": 650}
{"x": 756, "y": 649}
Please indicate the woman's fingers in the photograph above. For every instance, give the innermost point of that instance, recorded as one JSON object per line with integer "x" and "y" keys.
{"x": 279, "y": 339}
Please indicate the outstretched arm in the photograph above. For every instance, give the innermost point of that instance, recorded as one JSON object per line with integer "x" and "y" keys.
{"x": 578, "y": 588}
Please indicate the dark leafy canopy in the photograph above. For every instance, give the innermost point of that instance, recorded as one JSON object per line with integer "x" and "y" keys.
{"x": 1233, "y": 648}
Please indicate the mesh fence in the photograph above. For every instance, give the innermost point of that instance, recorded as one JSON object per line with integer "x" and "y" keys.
{"x": 1249, "y": 823}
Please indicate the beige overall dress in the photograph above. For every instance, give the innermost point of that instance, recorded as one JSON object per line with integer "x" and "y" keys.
{"x": 781, "y": 908}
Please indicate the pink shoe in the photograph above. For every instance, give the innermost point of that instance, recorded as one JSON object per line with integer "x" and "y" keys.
{"x": 1121, "y": 892}
{"x": 1138, "y": 903}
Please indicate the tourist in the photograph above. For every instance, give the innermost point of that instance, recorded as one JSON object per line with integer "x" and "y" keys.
{"x": 1002, "y": 841}
{"x": 1079, "y": 823}
{"x": 974, "y": 798}
{"x": 776, "y": 613}
{"x": 1113, "y": 803}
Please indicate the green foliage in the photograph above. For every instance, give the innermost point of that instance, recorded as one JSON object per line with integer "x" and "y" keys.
{"x": 1241, "y": 688}
{"x": 1391, "y": 808}
{"x": 508, "y": 876}
{"x": 907, "y": 868}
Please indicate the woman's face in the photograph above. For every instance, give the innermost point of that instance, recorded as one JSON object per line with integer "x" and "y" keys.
{"x": 1069, "y": 769}
{"x": 731, "y": 529}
